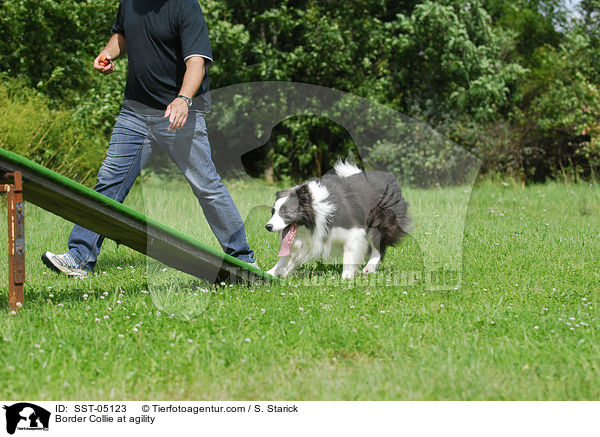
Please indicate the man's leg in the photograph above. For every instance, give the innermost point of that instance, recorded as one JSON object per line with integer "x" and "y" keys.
{"x": 190, "y": 150}
{"x": 128, "y": 150}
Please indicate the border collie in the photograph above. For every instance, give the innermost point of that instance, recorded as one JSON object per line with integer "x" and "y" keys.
{"x": 348, "y": 210}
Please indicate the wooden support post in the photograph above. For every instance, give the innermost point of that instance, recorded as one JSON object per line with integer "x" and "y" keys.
{"x": 16, "y": 238}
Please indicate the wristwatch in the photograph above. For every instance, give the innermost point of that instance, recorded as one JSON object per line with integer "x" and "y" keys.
{"x": 187, "y": 99}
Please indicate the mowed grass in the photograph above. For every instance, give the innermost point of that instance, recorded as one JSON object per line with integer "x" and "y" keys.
{"x": 523, "y": 325}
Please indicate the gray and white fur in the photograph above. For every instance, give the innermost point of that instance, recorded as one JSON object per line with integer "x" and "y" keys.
{"x": 348, "y": 209}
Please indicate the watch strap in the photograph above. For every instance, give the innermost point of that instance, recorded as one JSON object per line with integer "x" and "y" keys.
{"x": 187, "y": 99}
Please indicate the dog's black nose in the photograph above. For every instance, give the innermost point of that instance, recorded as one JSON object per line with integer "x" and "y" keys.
{"x": 269, "y": 227}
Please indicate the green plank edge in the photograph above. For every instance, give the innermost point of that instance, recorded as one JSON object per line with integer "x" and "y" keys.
{"x": 10, "y": 162}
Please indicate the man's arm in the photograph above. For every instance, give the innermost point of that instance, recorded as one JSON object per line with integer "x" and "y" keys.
{"x": 116, "y": 48}
{"x": 177, "y": 111}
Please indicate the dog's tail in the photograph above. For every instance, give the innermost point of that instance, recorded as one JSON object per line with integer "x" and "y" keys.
{"x": 388, "y": 199}
{"x": 345, "y": 169}
{"x": 390, "y": 217}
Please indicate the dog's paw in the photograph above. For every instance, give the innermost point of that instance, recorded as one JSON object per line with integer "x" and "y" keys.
{"x": 369, "y": 268}
{"x": 347, "y": 275}
{"x": 272, "y": 272}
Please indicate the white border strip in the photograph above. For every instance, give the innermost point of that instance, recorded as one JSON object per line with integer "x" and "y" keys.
{"x": 278, "y": 418}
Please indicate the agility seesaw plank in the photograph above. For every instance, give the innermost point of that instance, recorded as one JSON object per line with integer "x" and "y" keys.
{"x": 83, "y": 206}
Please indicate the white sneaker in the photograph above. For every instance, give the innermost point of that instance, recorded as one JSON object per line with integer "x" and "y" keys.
{"x": 64, "y": 263}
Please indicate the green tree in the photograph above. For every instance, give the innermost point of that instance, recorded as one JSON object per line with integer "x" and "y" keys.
{"x": 51, "y": 44}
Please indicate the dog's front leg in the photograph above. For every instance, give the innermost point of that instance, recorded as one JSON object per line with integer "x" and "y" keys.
{"x": 354, "y": 255}
{"x": 284, "y": 267}
{"x": 279, "y": 267}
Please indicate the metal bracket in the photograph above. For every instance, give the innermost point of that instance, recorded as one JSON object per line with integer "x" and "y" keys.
{"x": 16, "y": 237}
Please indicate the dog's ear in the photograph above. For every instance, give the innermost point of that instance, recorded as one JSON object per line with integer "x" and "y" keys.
{"x": 306, "y": 214}
{"x": 304, "y": 195}
{"x": 282, "y": 193}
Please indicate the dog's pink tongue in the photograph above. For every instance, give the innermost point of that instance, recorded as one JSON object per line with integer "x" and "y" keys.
{"x": 288, "y": 237}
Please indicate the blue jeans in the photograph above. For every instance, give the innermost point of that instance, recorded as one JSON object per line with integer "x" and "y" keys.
{"x": 136, "y": 132}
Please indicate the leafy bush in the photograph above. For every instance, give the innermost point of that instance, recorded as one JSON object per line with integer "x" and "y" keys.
{"x": 51, "y": 44}
{"x": 53, "y": 138}
{"x": 553, "y": 128}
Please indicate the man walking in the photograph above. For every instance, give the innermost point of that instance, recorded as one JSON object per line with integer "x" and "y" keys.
{"x": 166, "y": 98}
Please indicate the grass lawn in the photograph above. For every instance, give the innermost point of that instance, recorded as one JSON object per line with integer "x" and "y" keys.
{"x": 524, "y": 324}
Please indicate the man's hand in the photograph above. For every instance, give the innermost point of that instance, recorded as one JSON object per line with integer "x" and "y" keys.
{"x": 177, "y": 113}
{"x": 104, "y": 64}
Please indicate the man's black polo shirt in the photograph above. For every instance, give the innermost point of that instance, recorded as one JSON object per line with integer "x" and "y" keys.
{"x": 161, "y": 35}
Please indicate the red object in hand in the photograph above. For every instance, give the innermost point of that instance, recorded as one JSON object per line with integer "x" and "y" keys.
{"x": 103, "y": 60}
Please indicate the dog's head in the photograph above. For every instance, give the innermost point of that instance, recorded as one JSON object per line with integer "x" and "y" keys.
{"x": 293, "y": 206}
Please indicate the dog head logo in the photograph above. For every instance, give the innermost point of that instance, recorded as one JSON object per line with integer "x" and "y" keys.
{"x": 25, "y": 416}
{"x": 382, "y": 139}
